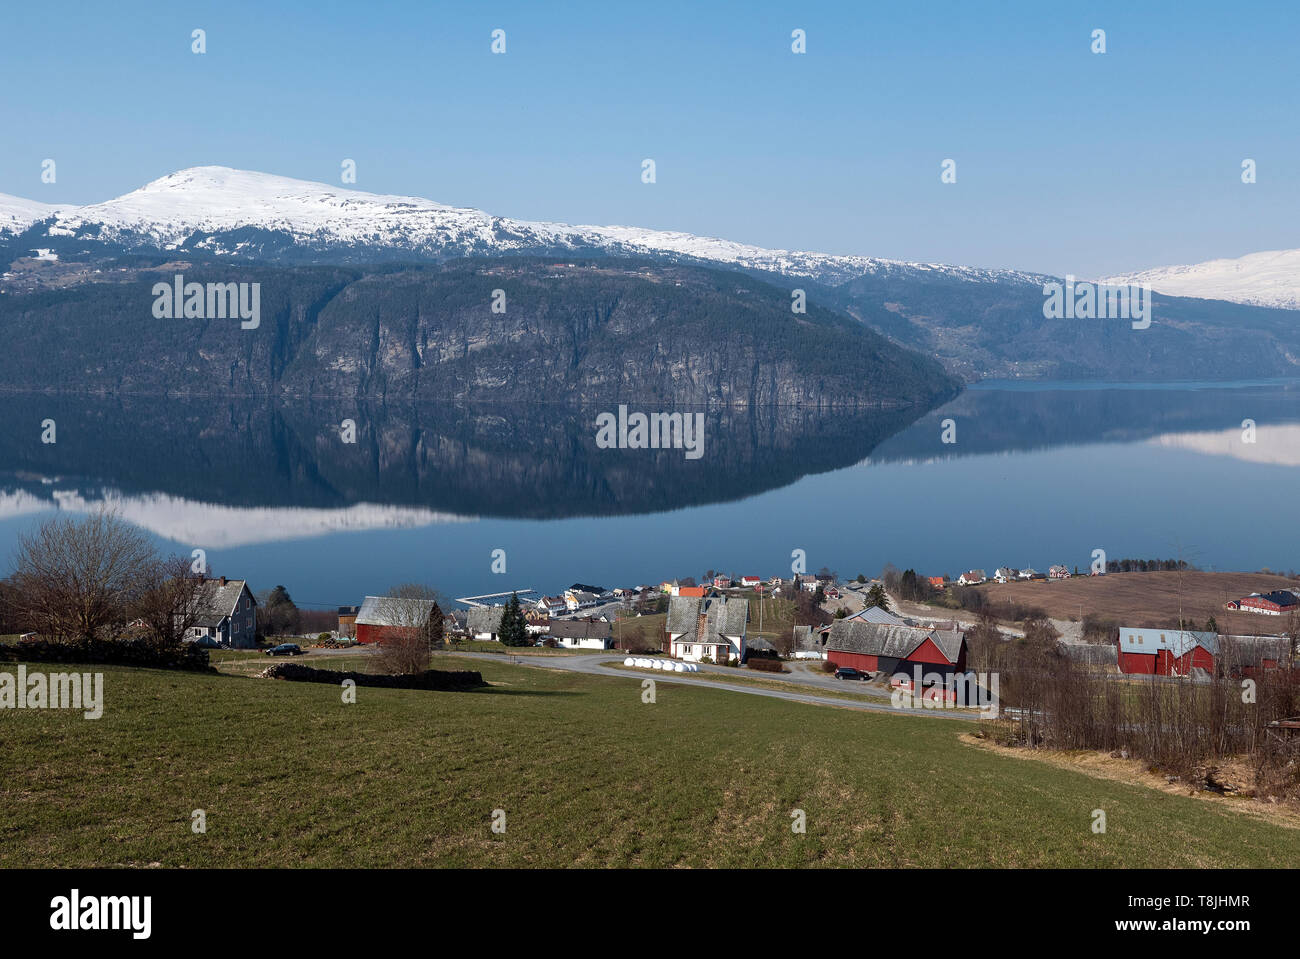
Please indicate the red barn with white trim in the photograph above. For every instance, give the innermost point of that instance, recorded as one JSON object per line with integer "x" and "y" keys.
{"x": 1166, "y": 652}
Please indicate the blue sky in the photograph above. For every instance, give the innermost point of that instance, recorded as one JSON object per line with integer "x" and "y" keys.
{"x": 1067, "y": 161}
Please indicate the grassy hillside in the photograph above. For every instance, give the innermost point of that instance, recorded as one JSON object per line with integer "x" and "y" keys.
{"x": 1151, "y": 599}
{"x": 588, "y": 775}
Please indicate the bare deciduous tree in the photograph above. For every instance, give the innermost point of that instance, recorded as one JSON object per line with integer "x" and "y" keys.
{"x": 168, "y": 602}
{"x": 77, "y": 579}
{"x": 414, "y": 617}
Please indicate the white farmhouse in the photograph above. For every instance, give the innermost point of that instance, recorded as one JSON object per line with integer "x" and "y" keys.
{"x": 711, "y": 628}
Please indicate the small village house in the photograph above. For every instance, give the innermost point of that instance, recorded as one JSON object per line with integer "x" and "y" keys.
{"x": 586, "y": 633}
{"x": 226, "y": 611}
{"x": 576, "y": 599}
{"x": 552, "y": 605}
{"x": 536, "y": 621}
{"x": 484, "y": 623}
{"x": 712, "y": 628}
{"x": 972, "y": 577}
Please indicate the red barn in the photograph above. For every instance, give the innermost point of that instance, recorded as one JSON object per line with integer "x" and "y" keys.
{"x": 881, "y": 647}
{"x": 1271, "y": 604}
{"x": 1166, "y": 652}
{"x": 382, "y": 617}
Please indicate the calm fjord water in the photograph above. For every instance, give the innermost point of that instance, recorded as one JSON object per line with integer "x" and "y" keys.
{"x": 1039, "y": 474}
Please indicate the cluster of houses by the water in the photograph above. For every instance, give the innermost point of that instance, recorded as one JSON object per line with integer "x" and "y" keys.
{"x": 712, "y": 624}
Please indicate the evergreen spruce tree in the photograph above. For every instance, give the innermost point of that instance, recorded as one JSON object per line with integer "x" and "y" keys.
{"x": 514, "y": 627}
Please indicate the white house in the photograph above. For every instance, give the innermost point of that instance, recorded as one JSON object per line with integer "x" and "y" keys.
{"x": 576, "y": 599}
{"x": 484, "y": 622}
{"x": 711, "y": 628}
{"x": 1005, "y": 574}
{"x": 972, "y": 577}
{"x": 582, "y": 633}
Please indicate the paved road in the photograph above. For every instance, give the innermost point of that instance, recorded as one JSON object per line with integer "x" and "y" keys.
{"x": 597, "y": 664}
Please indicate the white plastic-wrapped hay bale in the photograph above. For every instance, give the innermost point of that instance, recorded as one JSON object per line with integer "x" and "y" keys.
{"x": 629, "y": 661}
{"x": 679, "y": 667}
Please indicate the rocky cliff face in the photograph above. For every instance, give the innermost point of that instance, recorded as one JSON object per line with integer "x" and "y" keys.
{"x": 520, "y": 330}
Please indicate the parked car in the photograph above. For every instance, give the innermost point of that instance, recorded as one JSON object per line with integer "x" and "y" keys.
{"x": 285, "y": 649}
{"x": 848, "y": 672}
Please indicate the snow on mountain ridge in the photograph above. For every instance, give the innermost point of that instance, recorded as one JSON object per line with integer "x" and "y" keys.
{"x": 205, "y": 202}
{"x": 1270, "y": 278}
{"x": 17, "y": 214}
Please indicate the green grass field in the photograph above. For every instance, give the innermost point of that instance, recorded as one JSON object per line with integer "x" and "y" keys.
{"x": 587, "y": 774}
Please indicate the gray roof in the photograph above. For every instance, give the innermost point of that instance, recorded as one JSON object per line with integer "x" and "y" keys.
{"x": 874, "y": 614}
{"x": 896, "y": 642}
{"x": 579, "y": 629}
{"x": 485, "y": 619}
{"x": 803, "y": 638}
{"x": 1251, "y": 650}
{"x": 949, "y": 642}
{"x": 214, "y": 602}
{"x": 394, "y": 611}
{"x": 724, "y": 617}
{"x": 1095, "y": 654}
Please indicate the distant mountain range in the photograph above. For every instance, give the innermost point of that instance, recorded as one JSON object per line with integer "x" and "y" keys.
{"x": 1227, "y": 319}
{"x": 241, "y": 214}
{"x": 1260, "y": 279}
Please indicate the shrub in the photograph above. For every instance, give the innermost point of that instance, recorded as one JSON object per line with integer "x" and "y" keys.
{"x": 431, "y": 679}
{"x": 766, "y": 664}
{"x": 120, "y": 652}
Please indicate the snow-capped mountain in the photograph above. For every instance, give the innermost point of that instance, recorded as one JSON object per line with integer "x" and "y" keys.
{"x": 1259, "y": 279}
{"x": 222, "y": 211}
{"x": 17, "y": 214}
